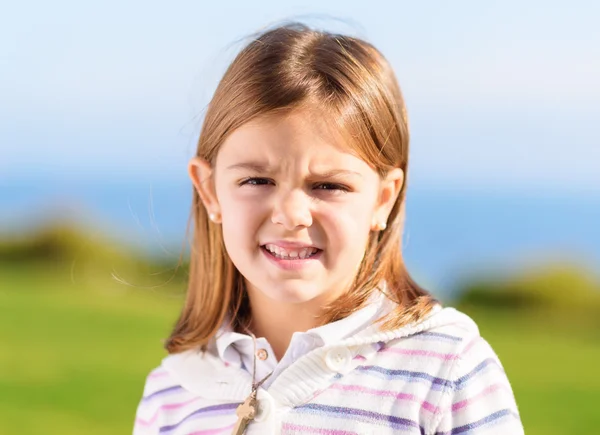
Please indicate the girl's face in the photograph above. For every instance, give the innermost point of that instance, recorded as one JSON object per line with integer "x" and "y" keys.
{"x": 296, "y": 206}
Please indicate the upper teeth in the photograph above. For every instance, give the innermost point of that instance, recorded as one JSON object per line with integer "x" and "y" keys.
{"x": 285, "y": 253}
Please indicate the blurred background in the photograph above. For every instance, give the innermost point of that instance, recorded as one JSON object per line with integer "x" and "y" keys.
{"x": 100, "y": 107}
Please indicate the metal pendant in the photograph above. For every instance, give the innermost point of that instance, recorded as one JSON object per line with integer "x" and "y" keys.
{"x": 246, "y": 413}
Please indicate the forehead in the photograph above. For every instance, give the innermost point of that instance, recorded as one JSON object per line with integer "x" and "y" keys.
{"x": 291, "y": 139}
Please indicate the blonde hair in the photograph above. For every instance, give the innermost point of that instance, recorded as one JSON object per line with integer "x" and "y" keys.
{"x": 349, "y": 81}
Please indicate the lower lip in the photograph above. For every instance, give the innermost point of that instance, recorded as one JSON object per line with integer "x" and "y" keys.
{"x": 295, "y": 264}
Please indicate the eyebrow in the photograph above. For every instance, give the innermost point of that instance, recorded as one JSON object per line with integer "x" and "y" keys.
{"x": 334, "y": 172}
{"x": 259, "y": 167}
{"x": 256, "y": 167}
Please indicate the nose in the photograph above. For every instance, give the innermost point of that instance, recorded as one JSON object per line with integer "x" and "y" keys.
{"x": 291, "y": 209}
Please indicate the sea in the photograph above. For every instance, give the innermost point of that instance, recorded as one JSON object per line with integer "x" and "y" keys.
{"x": 451, "y": 235}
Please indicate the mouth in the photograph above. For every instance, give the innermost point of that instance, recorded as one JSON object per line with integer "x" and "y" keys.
{"x": 291, "y": 254}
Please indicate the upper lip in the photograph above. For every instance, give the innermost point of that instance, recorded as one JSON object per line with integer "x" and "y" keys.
{"x": 290, "y": 244}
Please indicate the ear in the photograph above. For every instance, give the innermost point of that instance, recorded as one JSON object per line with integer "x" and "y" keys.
{"x": 390, "y": 188}
{"x": 201, "y": 174}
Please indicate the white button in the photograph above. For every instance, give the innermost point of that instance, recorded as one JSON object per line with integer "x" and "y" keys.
{"x": 338, "y": 359}
{"x": 265, "y": 406}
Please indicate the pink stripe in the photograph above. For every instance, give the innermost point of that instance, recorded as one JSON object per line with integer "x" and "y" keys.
{"x": 165, "y": 406}
{"x": 402, "y": 396}
{"x": 470, "y": 345}
{"x": 146, "y": 422}
{"x": 213, "y": 431}
{"x": 418, "y": 352}
{"x": 464, "y": 403}
{"x": 306, "y": 429}
{"x": 157, "y": 374}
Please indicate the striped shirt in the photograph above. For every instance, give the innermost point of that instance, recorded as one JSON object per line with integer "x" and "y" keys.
{"x": 437, "y": 376}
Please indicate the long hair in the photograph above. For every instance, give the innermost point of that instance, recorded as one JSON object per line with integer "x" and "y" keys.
{"x": 350, "y": 82}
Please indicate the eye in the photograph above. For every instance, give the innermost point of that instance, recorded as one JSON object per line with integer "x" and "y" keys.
{"x": 332, "y": 187}
{"x": 255, "y": 181}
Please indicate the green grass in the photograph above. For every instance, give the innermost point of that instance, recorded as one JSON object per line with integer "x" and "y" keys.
{"x": 552, "y": 366}
{"x": 74, "y": 356}
{"x": 75, "y": 353}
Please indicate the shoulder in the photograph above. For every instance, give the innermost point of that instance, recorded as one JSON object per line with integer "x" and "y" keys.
{"x": 443, "y": 350}
{"x": 186, "y": 384}
{"x": 477, "y": 391}
{"x": 456, "y": 350}
{"x": 457, "y": 334}
{"x": 160, "y": 388}
{"x": 182, "y": 384}
{"x": 446, "y": 335}
{"x": 159, "y": 382}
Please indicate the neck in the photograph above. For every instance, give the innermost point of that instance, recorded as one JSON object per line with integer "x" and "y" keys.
{"x": 277, "y": 321}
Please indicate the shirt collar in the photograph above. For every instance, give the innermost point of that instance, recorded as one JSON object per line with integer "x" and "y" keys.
{"x": 225, "y": 341}
{"x": 229, "y": 344}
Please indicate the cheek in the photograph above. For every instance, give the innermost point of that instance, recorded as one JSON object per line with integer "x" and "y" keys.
{"x": 241, "y": 221}
{"x": 347, "y": 226}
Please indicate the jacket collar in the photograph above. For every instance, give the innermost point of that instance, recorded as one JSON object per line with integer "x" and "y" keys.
{"x": 205, "y": 374}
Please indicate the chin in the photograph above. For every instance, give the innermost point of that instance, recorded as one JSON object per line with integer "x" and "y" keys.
{"x": 291, "y": 293}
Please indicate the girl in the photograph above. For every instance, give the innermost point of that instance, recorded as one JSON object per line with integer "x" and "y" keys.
{"x": 300, "y": 316}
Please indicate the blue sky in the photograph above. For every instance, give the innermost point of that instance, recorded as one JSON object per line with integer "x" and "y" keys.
{"x": 501, "y": 96}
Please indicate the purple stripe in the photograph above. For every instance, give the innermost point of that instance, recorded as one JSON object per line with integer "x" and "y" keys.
{"x": 358, "y": 414}
{"x": 161, "y": 392}
{"x": 387, "y": 393}
{"x": 489, "y": 419}
{"x": 436, "y": 382}
{"x": 460, "y": 382}
{"x": 438, "y": 335}
{"x": 407, "y": 375}
{"x": 212, "y": 410}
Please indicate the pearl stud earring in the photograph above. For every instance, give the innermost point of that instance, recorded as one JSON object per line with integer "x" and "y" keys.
{"x": 212, "y": 217}
{"x": 381, "y": 226}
